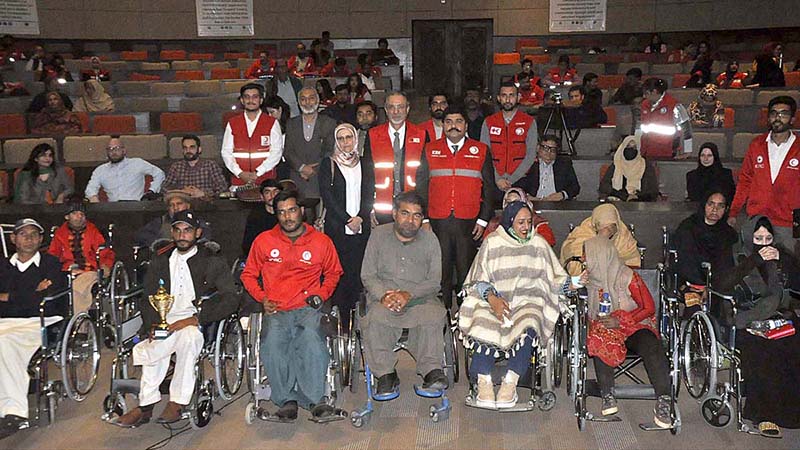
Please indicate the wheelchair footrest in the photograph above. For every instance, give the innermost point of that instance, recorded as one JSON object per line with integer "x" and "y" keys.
{"x": 388, "y": 396}
{"x": 591, "y": 417}
{"x": 651, "y": 426}
{"x": 623, "y": 391}
{"x": 338, "y": 414}
{"x": 428, "y": 393}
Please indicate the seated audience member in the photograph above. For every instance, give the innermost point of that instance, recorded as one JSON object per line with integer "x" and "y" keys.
{"x": 261, "y": 219}
{"x": 383, "y": 55}
{"x": 700, "y": 74}
{"x": 550, "y": 178}
{"x": 707, "y": 111}
{"x": 767, "y": 67}
{"x": 302, "y": 62}
{"x": 200, "y": 177}
{"x": 187, "y": 273}
{"x": 337, "y": 68}
{"x": 593, "y": 93}
{"x": 530, "y": 86}
{"x": 630, "y": 178}
{"x": 683, "y": 55}
{"x": 25, "y": 278}
{"x": 582, "y": 112}
{"x": 286, "y": 86}
{"x": 562, "y": 74}
{"x": 75, "y": 244}
{"x": 42, "y": 180}
{"x": 630, "y": 325}
{"x": 605, "y": 221}
{"x": 367, "y": 71}
{"x": 96, "y": 72}
{"x": 656, "y": 45}
{"x": 512, "y": 300}
{"x": 732, "y": 78}
{"x": 665, "y": 128}
{"x": 94, "y": 98}
{"x": 326, "y": 95}
{"x": 305, "y": 274}
{"x": 264, "y": 67}
{"x": 39, "y": 101}
{"x": 343, "y": 110}
{"x": 540, "y": 225}
{"x": 123, "y": 178}
{"x": 703, "y": 237}
{"x": 325, "y": 43}
{"x": 402, "y": 273}
{"x": 55, "y": 118}
{"x": 709, "y": 174}
{"x": 771, "y": 367}
{"x": 55, "y": 68}
{"x": 631, "y": 89}
{"x": 12, "y": 88}
{"x": 37, "y": 61}
{"x": 156, "y": 233}
{"x": 357, "y": 90}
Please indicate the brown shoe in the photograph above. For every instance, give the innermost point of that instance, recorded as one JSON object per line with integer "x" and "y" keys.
{"x": 172, "y": 413}
{"x": 133, "y": 418}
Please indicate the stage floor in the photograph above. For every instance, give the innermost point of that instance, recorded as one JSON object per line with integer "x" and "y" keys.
{"x": 402, "y": 423}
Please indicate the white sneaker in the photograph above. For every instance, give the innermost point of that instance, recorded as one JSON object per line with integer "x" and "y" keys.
{"x": 485, "y": 398}
{"x": 507, "y": 395}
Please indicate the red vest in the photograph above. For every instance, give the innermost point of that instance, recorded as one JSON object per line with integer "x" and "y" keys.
{"x": 455, "y": 180}
{"x": 430, "y": 130}
{"x": 531, "y": 94}
{"x": 508, "y": 142}
{"x": 251, "y": 151}
{"x": 658, "y": 128}
{"x": 383, "y": 157}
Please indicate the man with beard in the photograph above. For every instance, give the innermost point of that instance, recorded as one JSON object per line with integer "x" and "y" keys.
{"x": 437, "y": 103}
{"x": 309, "y": 138}
{"x": 770, "y": 174}
{"x": 395, "y": 147}
{"x": 199, "y": 177}
{"x": 122, "y": 178}
{"x": 261, "y": 219}
{"x": 157, "y": 233}
{"x": 299, "y": 269}
{"x": 75, "y": 244}
{"x": 367, "y": 117}
{"x": 511, "y": 135}
{"x": 301, "y": 63}
{"x": 342, "y": 111}
{"x": 253, "y": 142}
{"x": 475, "y": 114}
{"x": 402, "y": 274}
{"x": 187, "y": 273}
{"x": 456, "y": 180}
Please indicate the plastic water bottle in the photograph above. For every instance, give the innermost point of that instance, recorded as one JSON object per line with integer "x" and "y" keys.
{"x": 605, "y": 305}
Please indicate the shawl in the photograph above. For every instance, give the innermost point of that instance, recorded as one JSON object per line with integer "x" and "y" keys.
{"x": 602, "y": 215}
{"x": 632, "y": 170}
{"x": 60, "y": 121}
{"x": 607, "y": 272}
{"x": 99, "y": 101}
{"x": 340, "y": 156}
{"x": 528, "y": 276}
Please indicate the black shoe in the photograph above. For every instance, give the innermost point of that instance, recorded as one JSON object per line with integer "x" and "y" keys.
{"x": 435, "y": 380}
{"x": 387, "y": 384}
{"x": 10, "y": 424}
{"x": 287, "y": 412}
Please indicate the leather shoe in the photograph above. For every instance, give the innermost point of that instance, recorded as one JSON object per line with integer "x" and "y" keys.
{"x": 171, "y": 414}
{"x": 133, "y": 418}
{"x": 287, "y": 412}
{"x": 435, "y": 380}
{"x": 387, "y": 384}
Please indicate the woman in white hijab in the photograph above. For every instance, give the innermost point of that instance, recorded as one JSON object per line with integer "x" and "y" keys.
{"x": 94, "y": 98}
{"x": 630, "y": 178}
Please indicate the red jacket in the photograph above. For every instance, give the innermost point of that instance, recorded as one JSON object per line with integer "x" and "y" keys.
{"x": 92, "y": 238}
{"x": 508, "y": 141}
{"x": 555, "y": 75}
{"x": 531, "y": 94}
{"x": 456, "y": 181}
{"x": 755, "y": 187}
{"x": 383, "y": 157}
{"x": 330, "y": 71}
{"x": 736, "y": 83}
{"x": 256, "y": 71}
{"x": 251, "y": 151}
{"x": 310, "y": 67}
{"x": 658, "y": 128}
{"x": 290, "y": 271}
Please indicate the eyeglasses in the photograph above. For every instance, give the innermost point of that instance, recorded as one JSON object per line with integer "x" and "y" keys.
{"x": 784, "y": 113}
{"x": 115, "y": 148}
{"x": 548, "y": 148}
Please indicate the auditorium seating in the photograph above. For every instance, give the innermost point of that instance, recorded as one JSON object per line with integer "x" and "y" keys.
{"x": 12, "y": 125}
{"x": 85, "y": 149}
{"x": 16, "y": 151}
{"x": 225, "y": 74}
{"x": 114, "y": 124}
{"x": 186, "y": 75}
{"x": 209, "y": 143}
{"x": 181, "y": 122}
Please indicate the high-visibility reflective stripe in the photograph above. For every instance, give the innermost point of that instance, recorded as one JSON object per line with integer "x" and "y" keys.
{"x": 441, "y": 173}
{"x": 384, "y": 165}
{"x": 457, "y": 172}
{"x": 410, "y": 181}
{"x": 253, "y": 155}
{"x": 383, "y": 207}
{"x": 412, "y": 163}
{"x": 665, "y": 130}
{"x": 384, "y": 185}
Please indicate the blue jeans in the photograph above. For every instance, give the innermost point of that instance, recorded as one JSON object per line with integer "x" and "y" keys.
{"x": 295, "y": 356}
{"x": 482, "y": 364}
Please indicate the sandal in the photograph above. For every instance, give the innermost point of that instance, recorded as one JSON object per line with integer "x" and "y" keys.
{"x": 770, "y": 430}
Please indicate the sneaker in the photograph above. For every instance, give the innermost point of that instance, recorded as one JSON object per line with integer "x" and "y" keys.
{"x": 435, "y": 380}
{"x": 609, "y": 405}
{"x": 386, "y": 384}
{"x": 507, "y": 394}
{"x": 485, "y": 398}
{"x": 663, "y": 412}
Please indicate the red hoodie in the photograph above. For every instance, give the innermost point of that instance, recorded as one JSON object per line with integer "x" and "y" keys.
{"x": 61, "y": 247}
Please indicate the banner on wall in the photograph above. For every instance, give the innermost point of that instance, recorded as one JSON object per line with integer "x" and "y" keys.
{"x": 577, "y": 15}
{"x": 19, "y": 17}
{"x": 224, "y": 17}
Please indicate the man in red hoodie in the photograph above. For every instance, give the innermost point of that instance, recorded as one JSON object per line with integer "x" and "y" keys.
{"x": 299, "y": 269}
{"x": 769, "y": 182}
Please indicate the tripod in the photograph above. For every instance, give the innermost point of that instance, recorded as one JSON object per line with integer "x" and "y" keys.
{"x": 557, "y": 123}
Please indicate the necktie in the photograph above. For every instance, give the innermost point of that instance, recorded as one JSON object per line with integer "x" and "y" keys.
{"x": 455, "y": 149}
{"x": 396, "y": 142}
{"x": 397, "y": 148}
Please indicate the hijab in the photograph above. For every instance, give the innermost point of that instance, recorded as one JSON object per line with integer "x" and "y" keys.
{"x": 714, "y": 169}
{"x": 602, "y": 215}
{"x": 630, "y": 170}
{"x": 523, "y": 197}
{"x": 711, "y": 241}
{"x": 609, "y": 273}
{"x": 507, "y": 220}
{"x": 346, "y": 159}
{"x": 99, "y": 101}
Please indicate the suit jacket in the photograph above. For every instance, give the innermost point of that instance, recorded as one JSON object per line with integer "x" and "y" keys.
{"x": 298, "y": 152}
{"x": 334, "y": 197}
{"x": 209, "y": 273}
{"x": 564, "y": 178}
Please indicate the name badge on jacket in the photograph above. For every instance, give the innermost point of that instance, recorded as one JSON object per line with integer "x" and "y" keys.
{"x": 265, "y": 141}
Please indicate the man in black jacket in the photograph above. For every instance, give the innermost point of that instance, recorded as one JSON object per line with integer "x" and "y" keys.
{"x": 187, "y": 273}
{"x": 550, "y": 179}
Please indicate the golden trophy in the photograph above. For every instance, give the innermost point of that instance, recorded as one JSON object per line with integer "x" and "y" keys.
{"x": 162, "y": 302}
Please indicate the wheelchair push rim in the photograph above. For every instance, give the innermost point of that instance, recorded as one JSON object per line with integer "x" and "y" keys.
{"x": 229, "y": 358}
{"x": 80, "y": 357}
{"x": 698, "y": 356}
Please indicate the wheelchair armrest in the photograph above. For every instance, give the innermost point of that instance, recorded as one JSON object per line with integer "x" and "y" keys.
{"x": 203, "y": 298}
{"x": 42, "y": 307}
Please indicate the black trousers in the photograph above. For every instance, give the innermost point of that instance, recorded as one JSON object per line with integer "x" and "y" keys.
{"x": 646, "y": 345}
{"x": 458, "y": 250}
{"x": 350, "y": 249}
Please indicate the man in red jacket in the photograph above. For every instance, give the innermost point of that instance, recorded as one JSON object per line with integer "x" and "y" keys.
{"x": 769, "y": 182}
{"x": 437, "y": 103}
{"x": 290, "y": 260}
{"x": 75, "y": 244}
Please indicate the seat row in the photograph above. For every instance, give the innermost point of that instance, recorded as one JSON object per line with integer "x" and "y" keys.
{"x": 169, "y": 122}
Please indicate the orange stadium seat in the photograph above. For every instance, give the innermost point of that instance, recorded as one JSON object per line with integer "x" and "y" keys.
{"x": 730, "y": 117}
{"x": 235, "y": 55}
{"x": 566, "y": 42}
{"x": 792, "y": 78}
{"x": 114, "y": 124}
{"x": 506, "y": 58}
{"x": 539, "y": 59}
{"x": 614, "y": 58}
{"x": 12, "y": 125}
{"x": 171, "y": 55}
{"x": 5, "y": 188}
{"x": 612, "y": 115}
{"x": 526, "y": 42}
{"x": 136, "y": 76}
{"x": 181, "y": 122}
{"x": 84, "y": 121}
{"x": 679, "y": 80}
{"x": 133, "y": 56}
{"x": 610, "y": 81}
{"x": 225, "y": 74}
{"x": 201, "y": 56}
{"x": 189, "y": 75}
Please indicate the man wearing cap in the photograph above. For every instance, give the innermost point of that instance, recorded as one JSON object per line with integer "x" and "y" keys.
{"x": 188, "y": 272}
{"x": 25, "y": 279}
{"x": 75, "y": 244}
{"x": 200, "y": 177}
{"x": 156, "y": 233}
{"x": 261, "y": 219}
{"x": 123, "y": 178}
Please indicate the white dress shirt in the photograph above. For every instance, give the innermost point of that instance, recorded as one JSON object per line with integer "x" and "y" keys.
{"x": 275, "y": 147}
{"x": 547, "y": 182}
{"x": 181, "y": 286}
{"x": 777, "y": 154}
{"x": 124, "y": 180}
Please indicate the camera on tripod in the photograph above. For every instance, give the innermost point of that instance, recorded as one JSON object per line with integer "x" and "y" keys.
{"x": 556, "y": 98}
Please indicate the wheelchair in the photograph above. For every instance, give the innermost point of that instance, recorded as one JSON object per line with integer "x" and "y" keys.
{"x": 336, "y": 377}
{"x": 72, "y": 345}
{"x": 223, "y": 348}
{"x": 439, "y": 411}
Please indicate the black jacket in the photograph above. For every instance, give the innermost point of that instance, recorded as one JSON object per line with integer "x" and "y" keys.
{"x": 258, "y": 221}
{"x": 209, "y": 273}
{"x": 23, "y": 300}
{"x": 564, "y": 178}
{"x": 334, "y": 197}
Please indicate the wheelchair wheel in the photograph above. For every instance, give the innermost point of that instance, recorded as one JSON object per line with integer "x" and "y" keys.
{"x": 699, "y": 356}
{"x": 450, "y": 354}
{"x": 356, "y": 360}
{"x": 229, "y": 358}
{"x": 201, "y": 416}
{"x": 716, "y": 412}
{"x": 115, "y": 404}
{"x": 556, "y": 354}
{"x": 236, "y": 272}
{"x": 79, "y": 356}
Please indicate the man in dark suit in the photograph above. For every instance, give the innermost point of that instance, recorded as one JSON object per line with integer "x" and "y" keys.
{"x": 550, "y": 179}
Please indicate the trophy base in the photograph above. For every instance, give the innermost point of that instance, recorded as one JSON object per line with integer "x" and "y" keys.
{"x": 159, "y": 334}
